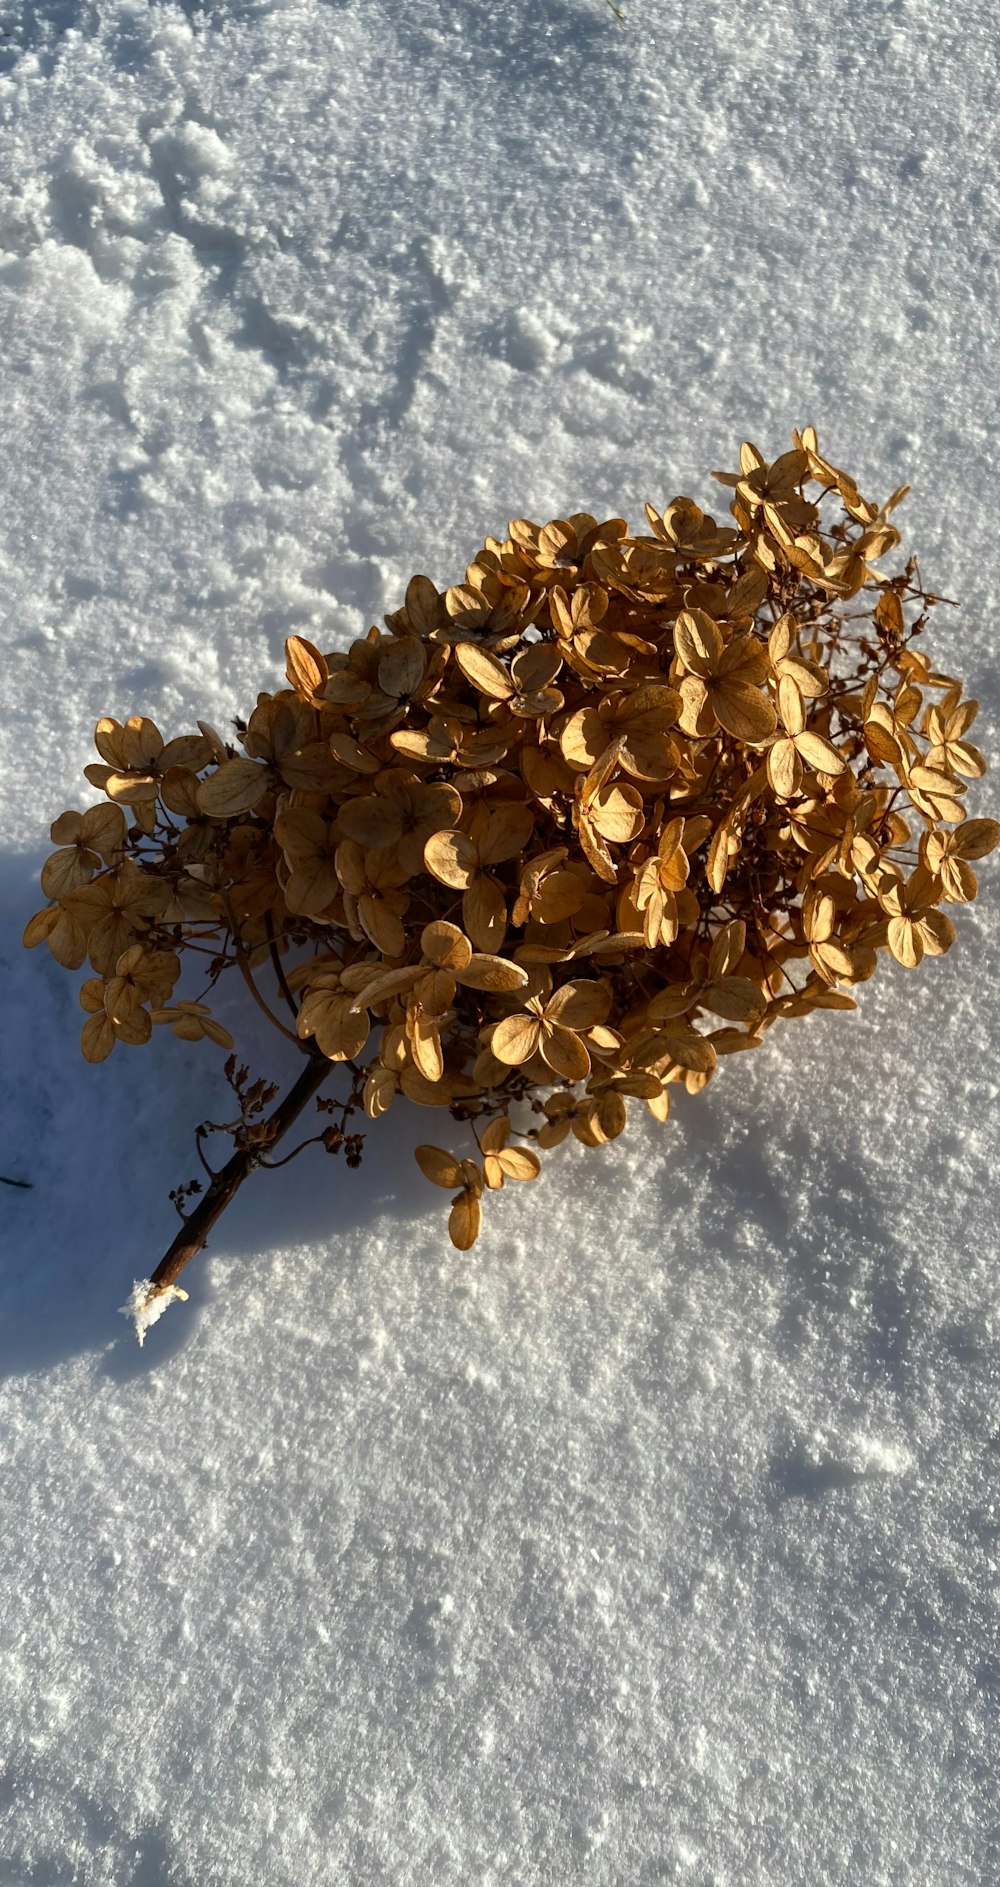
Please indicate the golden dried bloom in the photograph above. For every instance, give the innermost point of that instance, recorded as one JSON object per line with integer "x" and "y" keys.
{"x": 560, "y": 835}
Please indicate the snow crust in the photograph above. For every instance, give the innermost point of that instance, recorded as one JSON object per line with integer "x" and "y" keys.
{"x": 656, "y": 1540}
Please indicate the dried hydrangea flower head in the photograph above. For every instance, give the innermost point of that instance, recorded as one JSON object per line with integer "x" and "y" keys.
{"x": 554, "y": 839}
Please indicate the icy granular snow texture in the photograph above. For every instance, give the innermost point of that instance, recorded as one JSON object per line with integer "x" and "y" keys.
{"x": 657, "y": 1540}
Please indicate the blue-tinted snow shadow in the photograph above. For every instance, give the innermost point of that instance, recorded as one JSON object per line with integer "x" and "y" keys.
{"x": 816, "y": 1215}
{"x": 826, "y": 1256}
{"x": 101, "y": 1147}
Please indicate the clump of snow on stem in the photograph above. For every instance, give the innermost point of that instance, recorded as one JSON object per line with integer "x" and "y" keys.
{"x": 145, "y": 1304}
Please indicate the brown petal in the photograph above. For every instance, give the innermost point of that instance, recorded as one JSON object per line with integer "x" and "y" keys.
{"x": 67, "y": 940}
{"x": 452, "y": 858}
{"x": 340, "y": 1030}
{"x": 445, "y": 945}
{"x": 305, "y": 667}
{"x": 97, "y": 1037}
{"x": 496, "y": 1135}
{"x": 595, "y": 850}
{"x": 39, "y": 928}
{"x": 584, "y": 738}
{"x": 648, "y": 755}
{"x": 425, "y": 1047}
{"x": 535, "y": 667}
{"x": 520, "y": 1163}
{"x": 435, "y": 992}
{"x": 349, "y": 860}
{"x": 383, "y": 925}
{"x": 744, "y": 661}
{"x": 727, "y": 949}
{"x": 882, "y": 746}
{"x": 237, "y": 786}
{"x": 441, "y": 1168}
{"x": 791, "y": 706}
{"x": 937, "y": 932}
{"x": 108, "y": 939}
{"x": 377, "y": 988}
{"x": 310, "y": 769}
{"x": 132, "y": 789}
{"x": 312, "y": 886}
{"x": 610, "y": 653}
{"x": 560, "y": 894}
{"x": 743, "y": 711}
{"x": 784, "y": 769}
{"x": 423, "y": 605}
{"x": 564, "y": 1052}
{"x": 484, "y": 671}
{"x": 379, "y": 1092}
{"x": 109, "y": 741}
{"x": 91, "y": 994}
{"x": 974, "y": 838}
{"x": 300, "y": 833}
{"x": 697, "y": 716}
{"x": 671, "y": 1002}
{"x": 68, "y": 829}
{"x": 401, "y": 666}
{"x": 103, "y": 829}
{"x": 67, "y": 870}
{"x": 350, "y": 753}
{"x": 958, "y": 880}
{"x": 484, "y": 912}
{"x": 506, "y": 833}
{"x": 905, "y": 942}
{"x": 579, "y": 1005}
{"x": 492, "y": 973}
{"x": 618, "y": 813}
{"x": 372, "y": 821}
{"x": 515, "y": 1039}
{"x": 179, "y": 793}
{"x": 134, "y": 1028}
{"x": 819, "y": 753}
{"x": 698, "y": 642}
{"x": 346, "y": 689}
{"x": 966, "y": 759}
{"x": 735, "y": 997}
{"x": 142, "y": 743}
{"x": 931, "y": 780}
{"x": 465, "y": 1221}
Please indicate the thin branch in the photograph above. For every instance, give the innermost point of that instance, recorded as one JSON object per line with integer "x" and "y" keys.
{"x": 278, "y": 966}
{"x": 194, "y": 1235}
{"x": 314, "y": 1140}
{"x": 198, "y": 1137}
{"x": 247, "y": 975}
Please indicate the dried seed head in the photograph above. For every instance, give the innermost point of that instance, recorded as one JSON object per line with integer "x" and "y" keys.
{"x": 561, "y": 834}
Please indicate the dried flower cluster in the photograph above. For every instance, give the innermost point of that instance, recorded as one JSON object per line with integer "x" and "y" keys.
{"x": 558, "y": 836}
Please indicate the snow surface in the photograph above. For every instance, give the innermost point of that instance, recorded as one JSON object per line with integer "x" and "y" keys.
{"x": 656, "y": 1540}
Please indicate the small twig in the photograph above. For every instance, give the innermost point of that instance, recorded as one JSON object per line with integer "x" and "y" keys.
{"x": 24, "y": 1185}
{"x": 278, "y": 966}
{"x": 315, "y": 1140}
{"x": 199, "y": 1135}
{"x": 247, "y": 975}
{"x": 147, "y": 1302}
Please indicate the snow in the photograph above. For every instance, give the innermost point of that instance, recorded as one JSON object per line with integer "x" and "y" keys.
{"x": 656, "y": 1540}
{"x": 145, "y": 1307}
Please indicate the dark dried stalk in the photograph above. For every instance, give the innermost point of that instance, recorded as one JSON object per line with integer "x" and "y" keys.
{"x": 193, "y": 1236}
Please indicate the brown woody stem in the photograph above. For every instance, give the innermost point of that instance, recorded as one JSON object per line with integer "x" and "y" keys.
{"x": 193, "y": 1236}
